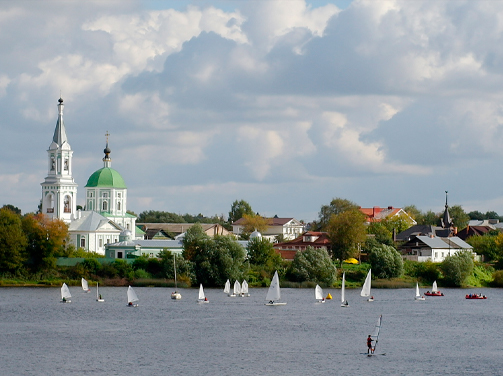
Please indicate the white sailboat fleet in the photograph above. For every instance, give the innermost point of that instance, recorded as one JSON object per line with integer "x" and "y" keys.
{"x": 273, "y": 296}
{"x": 85, "y": 285}
{"x": 366, "y": 287}
{"x": 65, "y": 294}
{"x": 344, "y": 302}
{"x": 98, "y": 295}
{"x": 318, "y": 294}
{"x": 418, "y": 295}
{"x": 132, "y": 298}
{"x": 202, "y": 298}
{"x": 175, "y": 294}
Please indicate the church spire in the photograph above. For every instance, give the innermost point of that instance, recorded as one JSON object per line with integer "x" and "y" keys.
{"x": 59, "y": 140}
{"x": 107, "y": 160}
{"x": 446, "y": 219}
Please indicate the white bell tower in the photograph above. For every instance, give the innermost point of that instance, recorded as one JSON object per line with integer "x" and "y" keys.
{"x": 59, "y": 190}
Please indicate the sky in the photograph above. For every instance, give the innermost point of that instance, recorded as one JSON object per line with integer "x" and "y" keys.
{"x": 284, "y": 104}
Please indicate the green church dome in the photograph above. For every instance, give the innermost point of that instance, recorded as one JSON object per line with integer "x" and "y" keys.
{"x": 106, "y": 177}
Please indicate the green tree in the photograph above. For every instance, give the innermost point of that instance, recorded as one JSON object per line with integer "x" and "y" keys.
{"x": 336, "y": 207}
{"x": 347, "y": 231}
{"x": 490, "y": 246}
{"x": 252, "y": 223}
{"x": 430, "y": 218}
{"x": 476, "y": 215}
{"x": 457, "y": 268}
{"x": 238, "y": 210}
{"x": 313, "y": 264}
{"x": 12, "y": 241}
{"x": 458, "y": 216}
{"x": 12, "y": 208}
{"x": 386, "y": 262}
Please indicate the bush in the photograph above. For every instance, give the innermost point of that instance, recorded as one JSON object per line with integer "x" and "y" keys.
{"x": 313, "y": 265}
{"x": 457, "y": 268}
{"x": 386, "y": 262}
{"x": 497, "y": 278}
{"x": 426, "y": 272}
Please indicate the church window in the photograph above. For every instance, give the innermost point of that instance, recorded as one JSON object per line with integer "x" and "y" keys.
{"x": 83, "y": 242}
{"x": 66, "y": 165}
{"x": 105, "y": 206}
{"x": 53, "y": 164}
{"x": 90, "y": 205}
{"x": 118, "y": 205}
{"x": 119, "y": 195}
{"x": 127, "y": 226}
{"x": 105, "y": 195}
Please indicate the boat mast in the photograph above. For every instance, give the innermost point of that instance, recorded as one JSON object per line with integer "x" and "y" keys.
{"x": 174, "y": 268}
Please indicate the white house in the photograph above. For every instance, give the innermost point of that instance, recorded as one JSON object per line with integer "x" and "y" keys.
{"x": 290, "y": 228}
{"x": 432, "y": 248}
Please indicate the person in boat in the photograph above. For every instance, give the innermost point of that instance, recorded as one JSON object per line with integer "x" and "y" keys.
{"x": 100, "y": 296}
{"x": 64, "y": 299}
{"x": 205, "y": 299}
{"x": 130, "y": 303}
{"x": 346, "y": 303}
{"x": 323, "y": 300}
{"x": 369, "y": 344}
{"x": 372, "y": 297}
{"x": 271, "y": 302}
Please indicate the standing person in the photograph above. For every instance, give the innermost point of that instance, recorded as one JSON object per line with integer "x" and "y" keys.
{"x": 369, "y": 344}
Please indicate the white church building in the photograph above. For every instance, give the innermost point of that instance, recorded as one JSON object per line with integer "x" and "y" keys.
{"x": 105, "y": 217}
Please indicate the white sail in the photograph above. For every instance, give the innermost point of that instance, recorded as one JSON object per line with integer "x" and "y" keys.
{"x": 65, "y": 292}
{"x": 366, "y": 285}
{"x": 131, "y": 295}
{"x": 237, "y": 288}
{"x": 227, "y": 287}
{"x": 434, "y": 287}
{"x": 201, "y": 292}
{"x": 318, "y": 293}
{"x": 244, "y": 288}
{"x": 85, "y": 285}
{"x": 343, "y": 288}
{"x": 418, "y": 295}
{"x": 274, "y": 292}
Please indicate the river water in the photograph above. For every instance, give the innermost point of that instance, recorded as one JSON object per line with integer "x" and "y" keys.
{"x": 241, "y": 336}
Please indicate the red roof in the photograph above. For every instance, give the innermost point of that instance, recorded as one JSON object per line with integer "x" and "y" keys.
{"x": 376, "y": 213}
{"x": 272, "y": 221}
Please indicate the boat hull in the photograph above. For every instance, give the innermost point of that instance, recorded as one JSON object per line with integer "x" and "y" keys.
{"x": 475, "y": 297}
{"x": 420, "y": 298}
{"x": 275, "y": 304}
{"x": 434, "y": 293}
{"x": 176, "y": 296}
{"x": 100, "y": 300}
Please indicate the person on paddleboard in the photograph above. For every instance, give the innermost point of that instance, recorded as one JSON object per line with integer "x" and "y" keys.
{"x": 369, "y": 344}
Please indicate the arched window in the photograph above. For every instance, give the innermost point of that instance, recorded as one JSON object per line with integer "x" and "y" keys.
{"x": 118, "y": 205}
{"x": 105, "y": 206}
{"x": 67, "y": 204}
{"x": 50, "y": 203}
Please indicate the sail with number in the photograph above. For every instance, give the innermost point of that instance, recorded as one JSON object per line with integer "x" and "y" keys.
{"x": 227, "y": 287}
{"x": 367, "y": 285}
{"x": 274, "y": 292}
{"x": 131, "y": 296}
{"x": 318, "y": 293}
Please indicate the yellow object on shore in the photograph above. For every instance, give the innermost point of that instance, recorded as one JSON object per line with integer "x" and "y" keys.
{"x": 328, "y": 296}
{"x": 351, "y": 261}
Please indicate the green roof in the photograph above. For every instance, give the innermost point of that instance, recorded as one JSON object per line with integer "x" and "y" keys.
{"x": 106, "y": 177}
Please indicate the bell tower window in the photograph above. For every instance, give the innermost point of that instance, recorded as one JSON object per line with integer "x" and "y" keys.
{"x": 67, "y": 205}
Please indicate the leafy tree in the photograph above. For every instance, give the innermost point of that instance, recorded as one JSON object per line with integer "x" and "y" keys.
{"x": 336, "y": 206}
{"x": 476, "y": 215}
{"x": 386, "y": 262}
{"x": 12, "y": 208}
{"x": 194, "y": 238}
{"x": 252, "y": 222}
{"x": 46, "y": 240}
{"x": 458, "y": 216}
{"x": 347, "y": 231}
{"x": 12, "y": 241}
{"x": 491, "y": 215}
{"x": 457, "y": 268}
{"x": 430, "y": 218}
{"x": 313, "y": 264}
{"x": 491, "y": 246}
{"x": 414, "y": 212}
{"x": 238, "y": 210}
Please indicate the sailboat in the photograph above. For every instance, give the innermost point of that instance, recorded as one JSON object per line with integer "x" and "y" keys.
{"x": 434, "y": 291}
{"x": 344, "y": 302}
{"x": 85, "y": 285}
{"x": 227, "y": 287}
{"x": 418, "y": 295}
{"x": 375, "y": 335}
{"x": 202, "y": 298}
{"x": 65, "y": 294}
{"x": 274, "y": 293}
{"x": 366, "y": 287}
{"x": 244, "y": 289}
{"x": 318, "y": 294}
{"x": 132, "y": 299}
{"x": 237, "y": 289}
{"x": 175, "y": 294}
{"x": 98, "y": 295}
